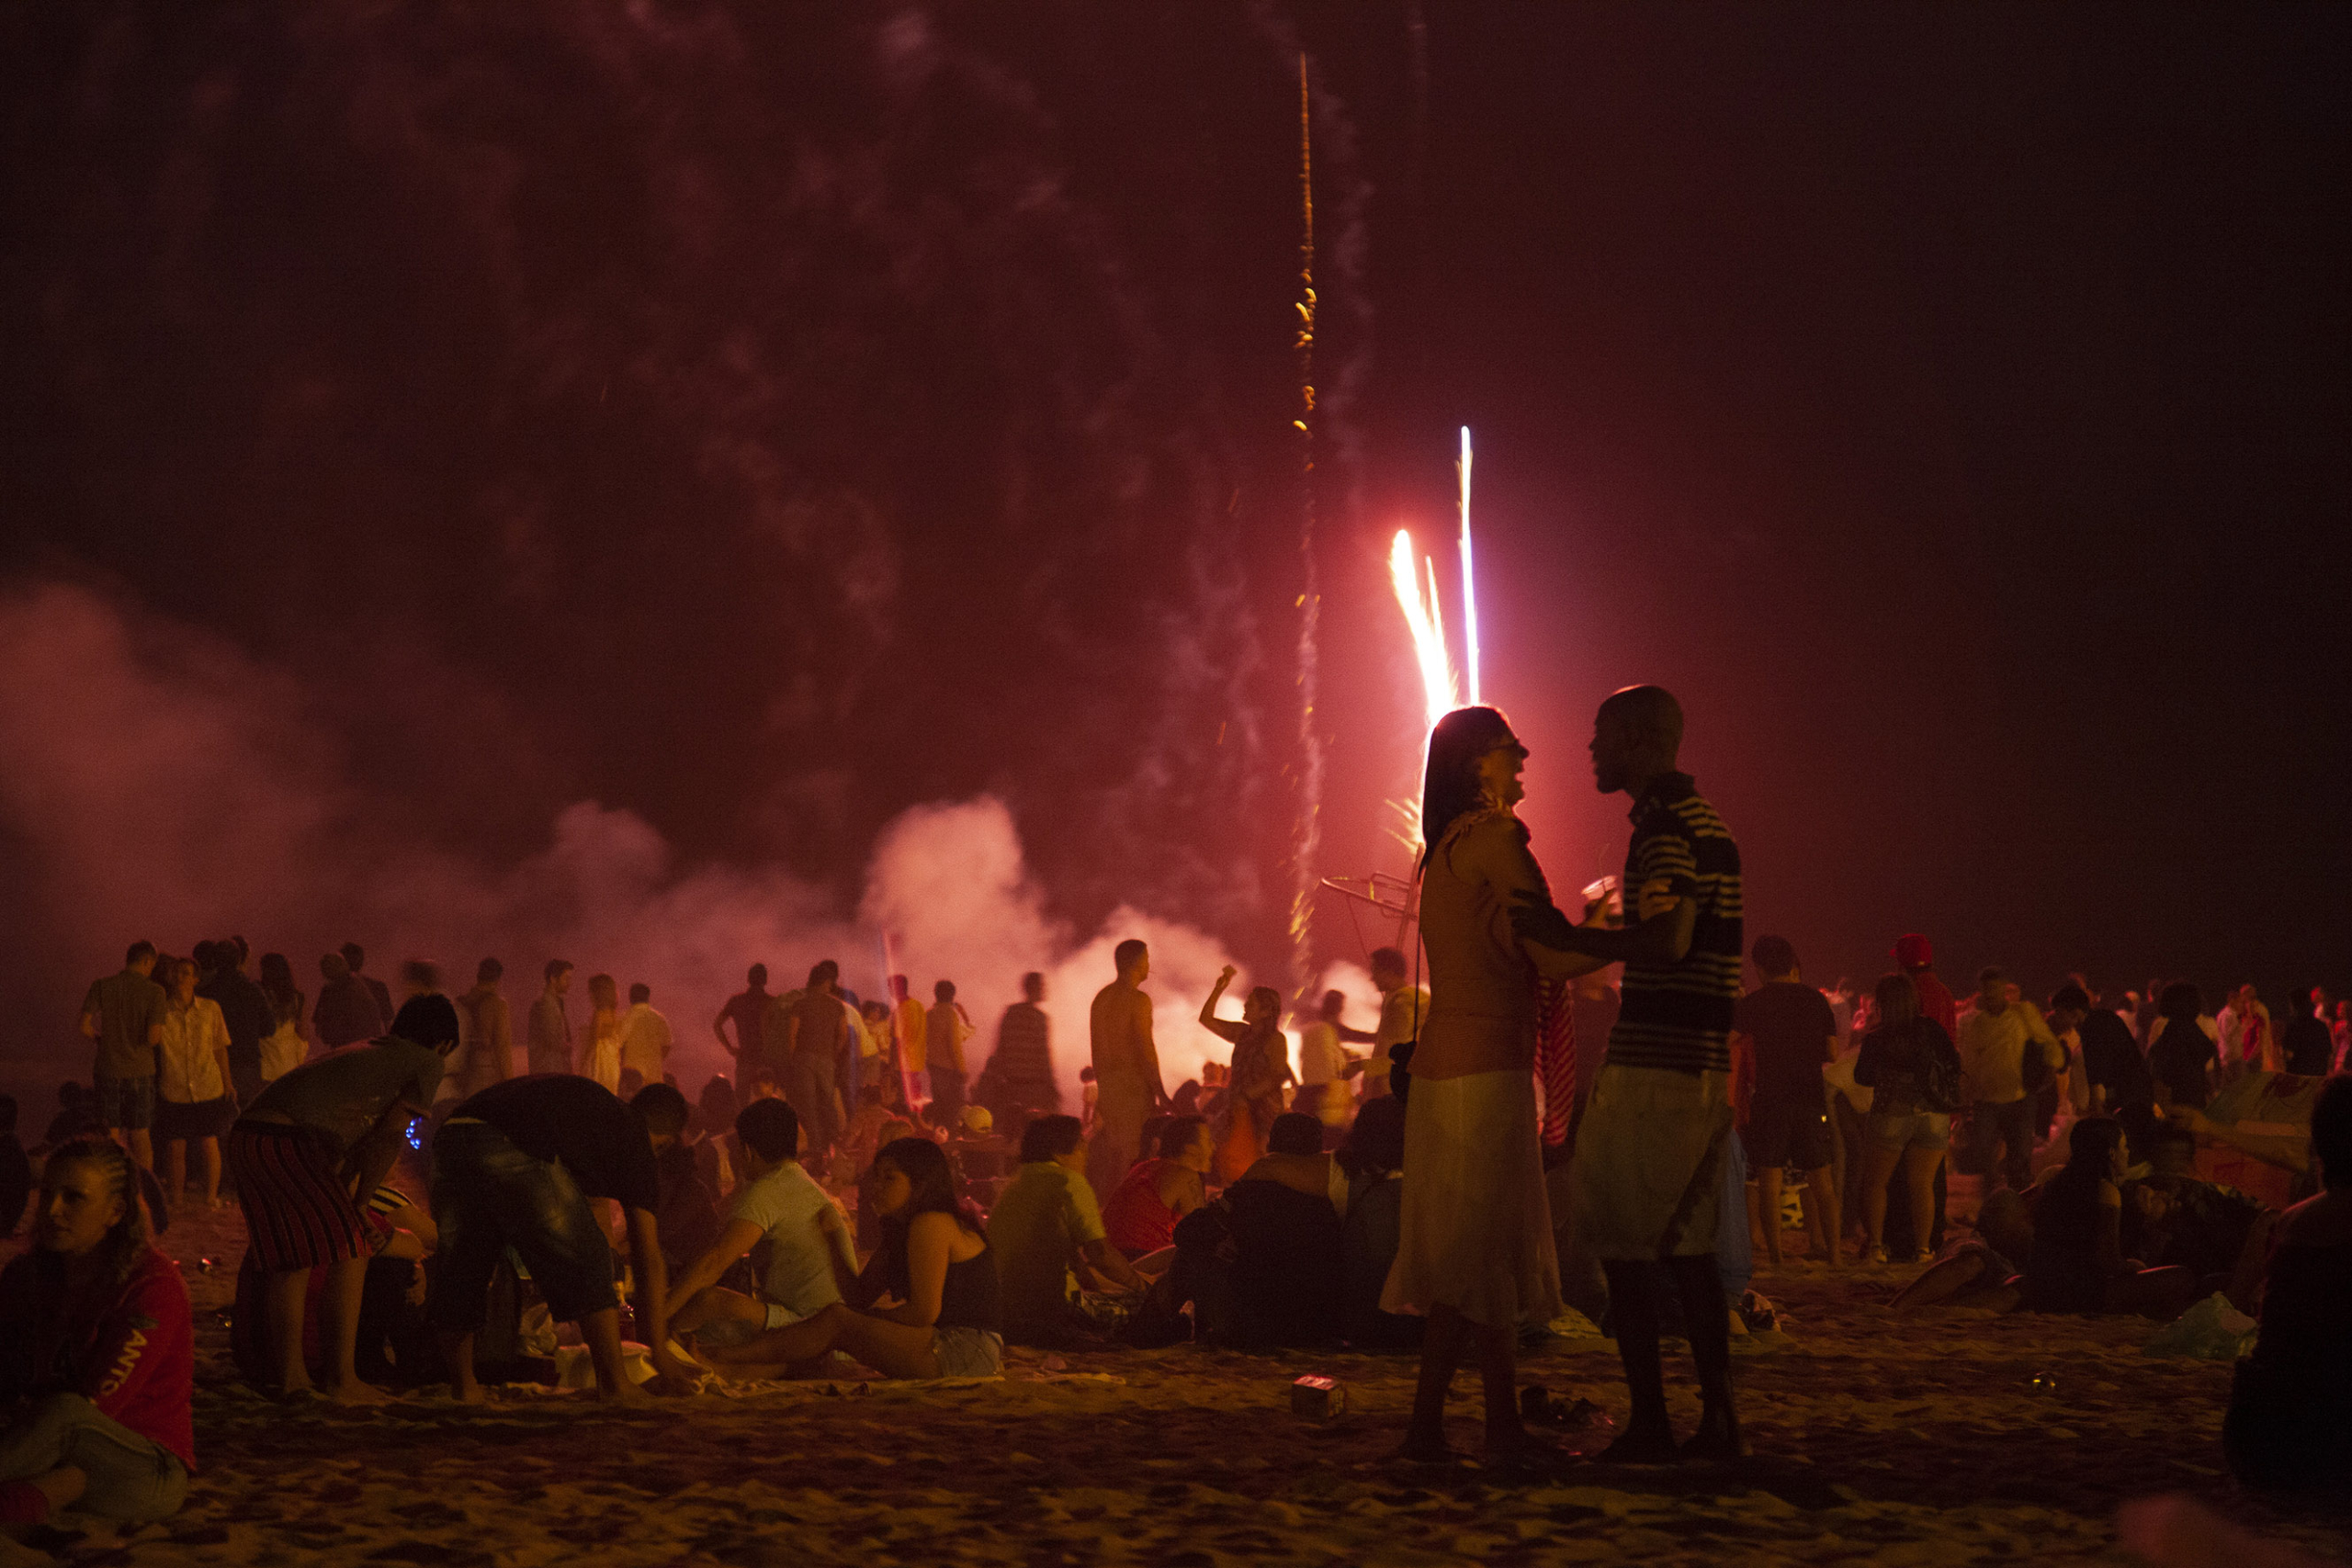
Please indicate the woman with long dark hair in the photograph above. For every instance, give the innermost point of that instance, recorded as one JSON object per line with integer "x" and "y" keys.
{"x": 97, "y": 1352}
{"x": 2077, "y": 1263}
{"x": 926, "y": 1306}
{"x": 1474, "y": 1252}
{"x": 1910, "y": 1121}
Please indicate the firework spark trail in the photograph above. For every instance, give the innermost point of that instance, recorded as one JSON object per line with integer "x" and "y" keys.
{"x": 1423, "y": 619}
{"x": 1469, "y": 581}
{"x": 1308, "y": 839}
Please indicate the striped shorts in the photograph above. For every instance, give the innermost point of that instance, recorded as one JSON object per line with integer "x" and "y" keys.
{"x": 298, "y": 1212}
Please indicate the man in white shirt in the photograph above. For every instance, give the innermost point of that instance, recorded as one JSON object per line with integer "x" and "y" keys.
{"x": 1322, "y": 1069}
{"x": 645, "y": 1036}
{"x": 780, "y": 1205}
{"x": 1403, "y": 1005}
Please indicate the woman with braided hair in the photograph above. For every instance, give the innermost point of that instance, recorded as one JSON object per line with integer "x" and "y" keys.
{"x": 98, "y": 1353}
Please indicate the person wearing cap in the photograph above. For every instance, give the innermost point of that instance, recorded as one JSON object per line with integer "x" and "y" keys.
{"x": 314, "y": 1136}
{"x": 1916, "y": 958}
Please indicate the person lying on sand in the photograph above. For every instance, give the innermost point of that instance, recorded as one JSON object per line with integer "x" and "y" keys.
{"x": 926, "y": 1304}
{"x": 779, "y": 1205}
{"x": 516, "y": 1166}
{"x": 98, "y": 1353}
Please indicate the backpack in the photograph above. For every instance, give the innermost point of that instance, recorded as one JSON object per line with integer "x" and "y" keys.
{"x": 1939, "y": 1073}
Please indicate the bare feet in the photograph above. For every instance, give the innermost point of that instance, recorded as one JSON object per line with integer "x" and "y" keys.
{"x": 355, "y": 1393}
{"x": 626, "y": 1393}
{"x": 473, "y": 1393}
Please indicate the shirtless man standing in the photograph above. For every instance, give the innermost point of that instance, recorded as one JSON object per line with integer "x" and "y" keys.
{"x": 1127, "y": 1069}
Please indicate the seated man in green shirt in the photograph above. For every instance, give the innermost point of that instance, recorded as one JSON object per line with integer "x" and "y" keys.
{"x": 1046, "y": 1223}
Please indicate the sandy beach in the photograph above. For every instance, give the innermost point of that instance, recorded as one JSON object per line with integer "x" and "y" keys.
{"x": 1878, "y": 1438}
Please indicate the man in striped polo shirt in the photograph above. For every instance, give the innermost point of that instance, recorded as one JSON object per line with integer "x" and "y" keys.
{"x": 1648, "y": 1176}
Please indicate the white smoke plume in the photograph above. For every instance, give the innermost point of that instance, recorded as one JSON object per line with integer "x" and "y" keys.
{"x": 161, "y": 784}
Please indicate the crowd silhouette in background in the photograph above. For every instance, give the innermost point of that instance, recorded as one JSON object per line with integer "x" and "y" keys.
{"x": 1559, "y": 1121}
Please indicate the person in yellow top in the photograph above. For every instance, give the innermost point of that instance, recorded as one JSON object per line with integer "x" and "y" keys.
{"x": 914, "y": 1027}
{"x": 1994, "y": 1037}
{"x": 946, "y": 1028}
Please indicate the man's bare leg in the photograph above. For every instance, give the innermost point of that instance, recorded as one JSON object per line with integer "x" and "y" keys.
{"x": 602, "y": 1332}
{"x": 1768, "y": 1199}
{"x": 141, "y": 1144}
{"x": 1821, "y": 1216}
{"x": 339, "y": 1314}
{"x": 209, "y": 1161}
{"x": 458, "y": 1354}
{"x": 175, "y": 1169}
{"x": 717, "y": 1304}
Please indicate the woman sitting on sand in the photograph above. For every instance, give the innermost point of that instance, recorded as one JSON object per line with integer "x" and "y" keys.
{"x": 925, "y": 1305}
{"x": 97, "y": 1350}
{"x": 2076, "y": 1264}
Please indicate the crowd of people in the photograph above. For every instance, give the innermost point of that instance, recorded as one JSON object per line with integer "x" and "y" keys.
{"x": 1454, "y": 1176}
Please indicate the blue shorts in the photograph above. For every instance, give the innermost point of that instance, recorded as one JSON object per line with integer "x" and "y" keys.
{"x": 127, "y": 1104}
{"x": 488, "y": 1195}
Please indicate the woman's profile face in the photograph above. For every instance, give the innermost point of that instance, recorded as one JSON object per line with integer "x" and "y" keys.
{"x": 78, "y": 1206}
{"x": 1498, "y": 771}
{"x": 889, "y": 1186}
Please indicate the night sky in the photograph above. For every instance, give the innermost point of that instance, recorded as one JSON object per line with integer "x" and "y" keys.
{"x": 767, "y": 420}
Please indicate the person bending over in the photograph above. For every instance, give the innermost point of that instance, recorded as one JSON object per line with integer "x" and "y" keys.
{"x": 2077, "y": 1263}
{"x": 1045, "y": 1225}
{"x": 328, "y": 1130}
{"x": 926, "y": 1304}
{"x": 2290, "y": 1423}
{"x": 780, "y": 1205}
{"x": 516, "y": 1166}
{"x": 98, "y": 1353}
{"x": 1141, "y": 1217}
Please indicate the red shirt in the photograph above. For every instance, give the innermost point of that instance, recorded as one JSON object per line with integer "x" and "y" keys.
{"x": 1135, "y": 1221}
{"x": 135, "y": 1361}
{"x": 1936, "y": 1001}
